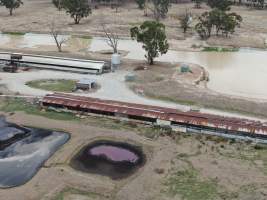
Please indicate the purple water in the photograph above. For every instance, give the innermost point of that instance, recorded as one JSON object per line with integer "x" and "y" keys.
{"x": 109, "y": 158}
{"x": 114, "y": 153}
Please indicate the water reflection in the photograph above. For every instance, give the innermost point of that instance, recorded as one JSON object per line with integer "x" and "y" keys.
{"x": 29, "y": 149}
{"x": 4, "y": 38}
{"x": 32, "y": 40}
{"x": 241, "y": 73}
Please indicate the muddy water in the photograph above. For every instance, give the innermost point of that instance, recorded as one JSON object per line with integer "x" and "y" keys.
{"x": 114, "y": 159}
{"x": 242, "y": 73}
{"x": 32, "y": 40}
{"x": 237, "y": 73}
{"x": 4, "y": 39}
{"x": 24, "y": 150}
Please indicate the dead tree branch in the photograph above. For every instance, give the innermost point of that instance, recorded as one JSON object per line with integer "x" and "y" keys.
{"x": 57, "y": 35}
{"x": 112, "y": 38}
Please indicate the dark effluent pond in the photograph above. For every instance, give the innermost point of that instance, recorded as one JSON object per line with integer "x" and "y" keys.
{"x": 114, "y": 159}
{"x": 23, "y": 151}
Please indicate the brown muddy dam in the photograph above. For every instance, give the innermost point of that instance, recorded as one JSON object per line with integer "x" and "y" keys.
{"x": 109, "y": 158}
{"x": 23, "y": 150}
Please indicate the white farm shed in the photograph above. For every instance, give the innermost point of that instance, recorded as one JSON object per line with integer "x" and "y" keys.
{"x": 57, "y": 63}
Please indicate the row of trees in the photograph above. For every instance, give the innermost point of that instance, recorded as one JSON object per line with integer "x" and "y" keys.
{"x": 79, "y": 9}
{"x": 152, "y": 33}
{"x": 249, "y": 3}
{"x": 218, "y": 19}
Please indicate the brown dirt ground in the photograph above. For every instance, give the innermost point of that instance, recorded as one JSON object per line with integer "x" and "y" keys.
{"x": 36, "y": 16}
{"x": 158, "y": 82}
{"x": 236, "y": 168}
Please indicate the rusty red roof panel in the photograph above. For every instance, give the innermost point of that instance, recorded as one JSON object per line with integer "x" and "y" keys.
{"x": 155, "y": 112}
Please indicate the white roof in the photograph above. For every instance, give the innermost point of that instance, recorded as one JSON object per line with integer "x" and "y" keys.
{"x": 86, "y": 81}
{"x": 60, "y": 61}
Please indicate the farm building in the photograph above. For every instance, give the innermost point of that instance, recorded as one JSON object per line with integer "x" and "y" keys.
{"x": 55, "y": 63}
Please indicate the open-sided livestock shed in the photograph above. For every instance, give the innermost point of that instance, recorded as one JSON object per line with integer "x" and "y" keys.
{"x": 178, "y": 120}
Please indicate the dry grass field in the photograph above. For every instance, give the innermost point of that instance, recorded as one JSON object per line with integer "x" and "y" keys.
{"x": 177, "y": 167}
{"x": 37, "y": 15}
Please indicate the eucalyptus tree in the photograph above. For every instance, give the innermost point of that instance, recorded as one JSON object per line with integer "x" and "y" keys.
{"x": 77, "y": 9}
{"x": 160, "y": 8}
{"x": 152, "y": 35}
{"x": 11, "y": 5}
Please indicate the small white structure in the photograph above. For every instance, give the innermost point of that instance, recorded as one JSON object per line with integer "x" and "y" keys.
{"x": 115, "y": 61}
{"x": 56, "y": 63}
{"x": 85, "y": 84}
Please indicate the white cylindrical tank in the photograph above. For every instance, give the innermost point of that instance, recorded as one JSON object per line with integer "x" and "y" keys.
{"x": 115, "y": 59}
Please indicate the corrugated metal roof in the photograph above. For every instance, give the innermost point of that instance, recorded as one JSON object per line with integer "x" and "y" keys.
{"x": 155, "y": 112}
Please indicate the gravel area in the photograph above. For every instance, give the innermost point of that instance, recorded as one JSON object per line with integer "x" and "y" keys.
{"x": 112, "y": 87}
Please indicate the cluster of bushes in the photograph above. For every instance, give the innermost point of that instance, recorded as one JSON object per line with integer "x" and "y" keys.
{"x": 218, "y": 19}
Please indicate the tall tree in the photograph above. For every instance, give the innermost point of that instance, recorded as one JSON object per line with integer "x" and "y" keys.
{"x": 231, "y": 21}
{"x": 260, "y": 3}
{"x": 219, "y": 20}
{"x": 160, "y": 8}
{"x": 77, "y": 9}
{"x": 185, "y": 21}
{"x": 204, "y": 26}
{"x": 57, "y": 35}
{"x": 152, "y": 35}
{"x": 112, "y": 38}
{"x": 11, "y": 4}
